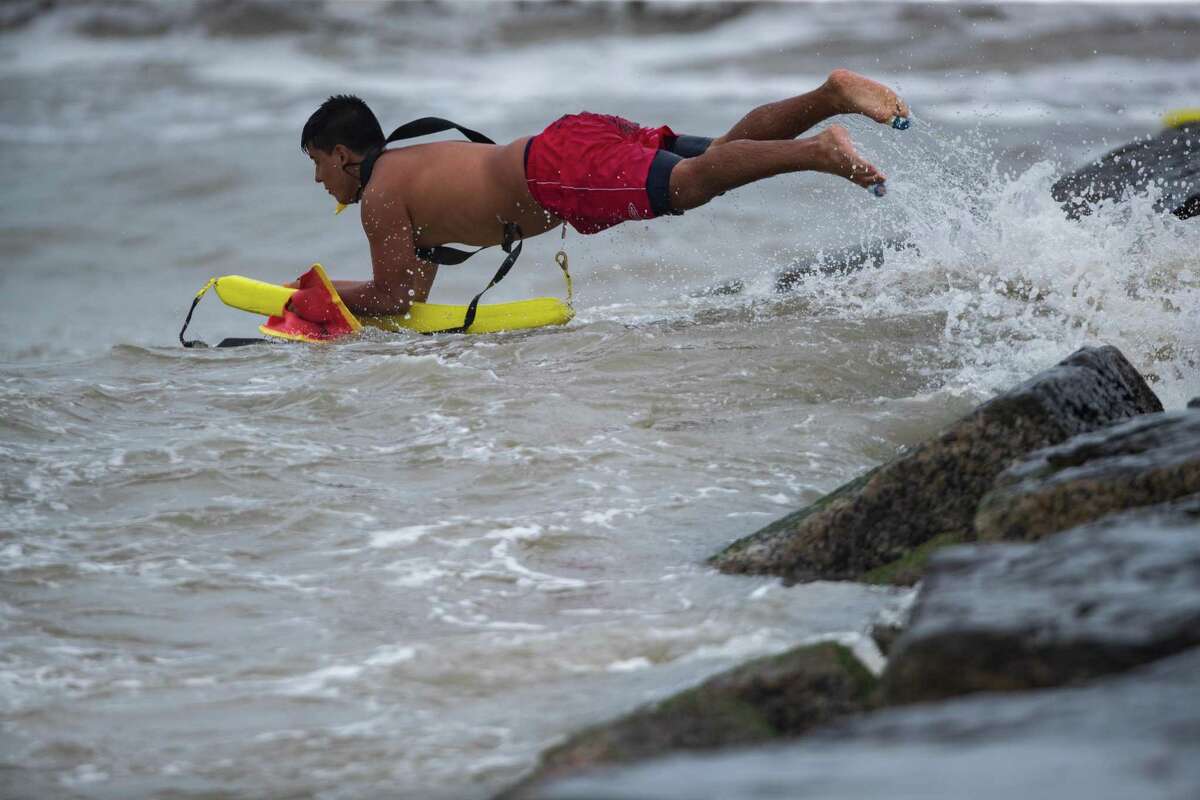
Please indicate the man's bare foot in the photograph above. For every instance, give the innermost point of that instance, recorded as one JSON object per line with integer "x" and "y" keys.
{"x": 851, "y": 93}
{"x": 833, "y": 152}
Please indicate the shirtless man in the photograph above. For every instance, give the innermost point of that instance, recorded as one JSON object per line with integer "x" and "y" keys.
{"x": 589, "y": 170}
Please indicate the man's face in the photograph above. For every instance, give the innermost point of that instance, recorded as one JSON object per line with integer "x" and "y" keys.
{"x": 331, "y": 174}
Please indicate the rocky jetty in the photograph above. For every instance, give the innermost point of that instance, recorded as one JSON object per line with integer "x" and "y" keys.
{"x": 1072, "y": 619}
{"x": 768, "y": 698}
{"x": 1128, "y": 737}
{"x": 930, "y": 494}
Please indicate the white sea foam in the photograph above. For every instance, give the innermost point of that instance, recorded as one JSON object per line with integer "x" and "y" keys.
{"x": 402, "y": 536}
{"x": 630, "y": 665}
{"x": 84, "y": 775}
{"x": 543, "y": 581}
{"x": 390, "y": 655}
{"x": 321, "y": 682}
{"x": 416, "y": 572}
{"x": 517, "y": 533}
{"x": 763, "y": 641}
{"x": 602, "y": 518}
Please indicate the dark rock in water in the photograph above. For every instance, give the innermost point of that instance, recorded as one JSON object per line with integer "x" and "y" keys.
{"x": 1135, "y": 736}
{"x": 765, "y": 699}
{"x": 837, "y": 262}
{"x": 1148, "y": 460}
{"x": 1091, "y": 601}
{"x": 730, "y": 287}
{"x": 1171, "y": 160}
{"x": 821, "y": 263}
{"x": 929, "y": 494}
{"x": 1194, "y": 402}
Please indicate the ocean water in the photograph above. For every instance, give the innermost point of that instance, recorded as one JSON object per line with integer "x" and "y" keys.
{"x": 400, "y": 566}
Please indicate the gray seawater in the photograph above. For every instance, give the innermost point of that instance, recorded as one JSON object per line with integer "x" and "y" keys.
{"x": 400, "y": 566}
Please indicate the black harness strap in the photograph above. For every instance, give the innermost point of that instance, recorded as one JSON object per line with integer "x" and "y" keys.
{"x": 512, "y": 233}
{"x": 445, "y": 256}
{"x": 188, "y": 321}
{"x": 226, "y": 342}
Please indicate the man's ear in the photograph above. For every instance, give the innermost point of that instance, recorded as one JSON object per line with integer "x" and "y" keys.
{"x": 342, "y": 155}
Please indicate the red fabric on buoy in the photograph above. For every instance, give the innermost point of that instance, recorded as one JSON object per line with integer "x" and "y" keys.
{"x": 314, "y": 313}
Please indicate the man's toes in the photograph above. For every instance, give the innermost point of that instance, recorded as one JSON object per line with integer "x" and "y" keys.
{"x": 883, "y": 113}
{"x": 872, "y": 176}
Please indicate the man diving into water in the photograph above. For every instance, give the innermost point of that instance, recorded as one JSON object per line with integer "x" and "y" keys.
{"x": 589, "y": 170}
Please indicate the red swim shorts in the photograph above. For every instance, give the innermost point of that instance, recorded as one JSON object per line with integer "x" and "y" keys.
{"x": 596, "y": 170}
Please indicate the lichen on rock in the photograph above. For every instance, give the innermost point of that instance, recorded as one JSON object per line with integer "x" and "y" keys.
{"x": 1148, "y": 460}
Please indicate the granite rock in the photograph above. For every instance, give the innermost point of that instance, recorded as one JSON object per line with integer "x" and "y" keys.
{"x": 1148, "y": 460}
{"x": 1094, "y": 600}
{"x": 932, "y": 490}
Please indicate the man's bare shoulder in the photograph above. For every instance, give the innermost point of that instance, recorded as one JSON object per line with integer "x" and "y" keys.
{"x": 434, "y": 157}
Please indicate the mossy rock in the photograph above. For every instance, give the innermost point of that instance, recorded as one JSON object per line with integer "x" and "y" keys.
{"x": 881, "y": 517}
{"x": 775, "y": 697}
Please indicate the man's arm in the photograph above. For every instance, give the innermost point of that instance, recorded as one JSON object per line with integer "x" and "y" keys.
{"x": 398, "y": 276}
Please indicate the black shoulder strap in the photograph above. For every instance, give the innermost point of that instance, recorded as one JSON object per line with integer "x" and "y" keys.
{"x": 424, "y": 126}
{"x": 429, "y": 125}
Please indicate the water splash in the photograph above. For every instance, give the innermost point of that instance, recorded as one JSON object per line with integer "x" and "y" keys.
{"x": 1019, "y": 284}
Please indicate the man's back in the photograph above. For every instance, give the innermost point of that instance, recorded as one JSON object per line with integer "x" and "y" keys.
{"x": 458, "y": 192}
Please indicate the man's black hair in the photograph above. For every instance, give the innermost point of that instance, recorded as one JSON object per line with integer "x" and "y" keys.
{"x": 342, "y": 119}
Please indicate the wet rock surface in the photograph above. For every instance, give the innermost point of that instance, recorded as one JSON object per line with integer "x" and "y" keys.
{"x": 842, "y": 261}
{"x": 1170, "y": 160}
{"x": 766, "y": 699}
{"x": 1094, "y": 600}
{"x": 1133, "y": 736}
{"x": 933, "y": 490}
{"x": 1148, "y": 460}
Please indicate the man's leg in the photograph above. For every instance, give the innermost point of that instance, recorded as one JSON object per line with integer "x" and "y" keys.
{"x": 695, "y": 181}
{"x": 844, "y": 92}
